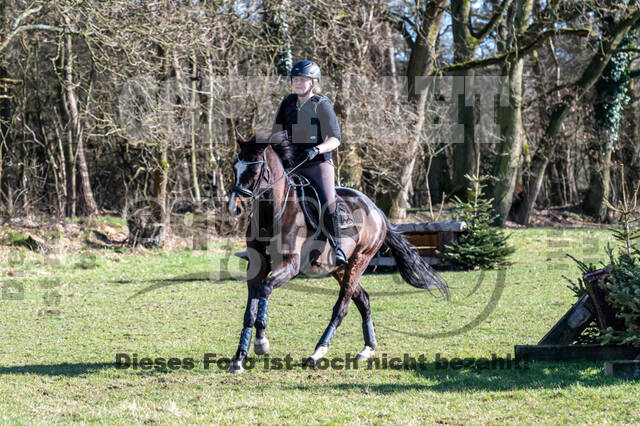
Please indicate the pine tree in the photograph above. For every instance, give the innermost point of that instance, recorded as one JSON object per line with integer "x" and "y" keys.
{"x": 623, "y": 284}
{"x": 482, "y": 246}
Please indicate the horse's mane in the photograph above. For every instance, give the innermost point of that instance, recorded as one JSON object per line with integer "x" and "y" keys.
{"x": 284, "y": 148}
{"x": 280, "y": 144}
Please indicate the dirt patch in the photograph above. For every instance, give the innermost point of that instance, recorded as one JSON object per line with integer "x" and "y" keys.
{"x": 46, "y": 236}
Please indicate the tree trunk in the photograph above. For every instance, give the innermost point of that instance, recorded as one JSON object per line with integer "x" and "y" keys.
{"x": 464, "y": 44}
{"x": 160, "y": 178}
{"x": 570, "y": 164}
{"x": 420, "y": 64}
{"x": 194, "y": 126}
{"x": 599, "y": 186}
{"x": 509, "y": 159}
{"x": 350, "y": 176}
{"x": 76, "y": 132}
{"x": 512, "y": 131}
{"x": 464, "y": 154}
{"x": 159, "y": 214}
{"x": 217, "y": 177}
{"x": 439, "y": 179}
{"x": 5, "y": 120}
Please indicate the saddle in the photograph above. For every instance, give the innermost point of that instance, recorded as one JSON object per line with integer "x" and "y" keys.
{"x": 310, "y": 202}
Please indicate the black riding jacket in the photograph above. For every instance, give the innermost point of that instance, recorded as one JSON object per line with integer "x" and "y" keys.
{"x": 308, "y": 126}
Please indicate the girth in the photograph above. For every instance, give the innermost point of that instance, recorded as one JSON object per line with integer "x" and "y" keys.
{"x": 310, "y": 202}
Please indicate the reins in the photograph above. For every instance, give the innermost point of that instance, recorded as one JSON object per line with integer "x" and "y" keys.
{"x": 265, "y": 166}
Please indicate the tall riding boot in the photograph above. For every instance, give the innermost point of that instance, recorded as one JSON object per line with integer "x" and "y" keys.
{"x": 333, "y": 226}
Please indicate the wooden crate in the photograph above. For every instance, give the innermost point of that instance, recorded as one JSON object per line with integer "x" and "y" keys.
{"x": 426, "y": 243}
{"x": 426, "y": 237}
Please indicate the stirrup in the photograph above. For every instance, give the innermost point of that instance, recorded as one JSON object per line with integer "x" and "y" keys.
{"x": 341, "y": 258}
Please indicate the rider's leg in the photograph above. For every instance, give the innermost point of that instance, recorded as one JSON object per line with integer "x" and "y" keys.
{"x": 321, "y": 175}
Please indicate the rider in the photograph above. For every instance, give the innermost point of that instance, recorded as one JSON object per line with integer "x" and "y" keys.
{"x": 313, "y": 129}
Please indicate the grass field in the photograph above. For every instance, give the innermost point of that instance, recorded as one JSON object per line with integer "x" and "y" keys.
{"x": 65, "y": 318}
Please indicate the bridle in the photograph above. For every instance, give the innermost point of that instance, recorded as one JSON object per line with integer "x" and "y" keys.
{"x": 250, "y": 192}
{"x": 265, "y": 168}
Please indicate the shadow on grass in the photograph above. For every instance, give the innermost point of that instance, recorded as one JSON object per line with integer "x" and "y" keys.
{"x": 537, "y": 376}
{"x": 61, "y": 369}
{"x": 217, "y": 276}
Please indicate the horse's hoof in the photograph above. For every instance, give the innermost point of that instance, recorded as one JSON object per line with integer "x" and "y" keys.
{"x": 366, "y": 353}
{"x": 320, "y": 352}
{"x": 261, "y": 346}
{"x": 236, "y": 367}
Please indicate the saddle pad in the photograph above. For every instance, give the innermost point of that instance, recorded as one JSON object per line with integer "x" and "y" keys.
{"x": 309, "y": 202}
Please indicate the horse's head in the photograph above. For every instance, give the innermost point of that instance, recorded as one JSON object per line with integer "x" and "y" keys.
{"x": 250, "y": 167}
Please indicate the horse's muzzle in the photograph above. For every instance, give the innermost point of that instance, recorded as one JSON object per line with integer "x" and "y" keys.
{"x": 232, "y": 207}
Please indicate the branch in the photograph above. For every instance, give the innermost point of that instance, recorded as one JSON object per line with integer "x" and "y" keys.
{"x": 400, "y": 26}
{"x": 16, "y": 28}
{"x": 11, "y": 81}
{"x": 495, "y": 20}
{"x": 512, "y": 54}
{"x": 405, "y": 19}
{"x": 25, "y": 15}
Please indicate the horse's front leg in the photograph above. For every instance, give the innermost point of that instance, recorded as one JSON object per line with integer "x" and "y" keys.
{"x": 257, "y": 271}
{"x": 257, "y": 309}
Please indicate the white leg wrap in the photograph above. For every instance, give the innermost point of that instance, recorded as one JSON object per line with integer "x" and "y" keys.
{"x": 261, "y": 346}
{"x": 366, "y": 353}
{"x": 317, "y": 355}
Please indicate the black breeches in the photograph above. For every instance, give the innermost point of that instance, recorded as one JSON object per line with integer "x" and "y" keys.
{"x": 321, "y": 175}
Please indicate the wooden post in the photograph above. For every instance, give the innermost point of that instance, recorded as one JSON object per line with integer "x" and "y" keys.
{"x": 605, "y": 313}
{"x": 575, "y": 352}
{"x": 623, "y": 369}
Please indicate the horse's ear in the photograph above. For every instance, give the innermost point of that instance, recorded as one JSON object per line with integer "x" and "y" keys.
{"x": 239, "y": 138}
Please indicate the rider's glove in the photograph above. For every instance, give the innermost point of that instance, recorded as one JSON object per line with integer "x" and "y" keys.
{"x": 307, "y": 155}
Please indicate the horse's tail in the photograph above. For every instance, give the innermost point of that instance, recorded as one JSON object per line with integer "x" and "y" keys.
{"x": 411, "y": 265}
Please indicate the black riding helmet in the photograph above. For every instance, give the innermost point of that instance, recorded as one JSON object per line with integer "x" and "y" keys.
{"x": 306, "y": 68}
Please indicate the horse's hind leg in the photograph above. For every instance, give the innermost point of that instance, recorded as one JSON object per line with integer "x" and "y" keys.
{"x": 361, "y": 299}
{"x": 348, "y": 286}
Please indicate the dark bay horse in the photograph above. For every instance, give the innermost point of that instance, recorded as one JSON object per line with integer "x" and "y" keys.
{"x": 281, "y": 245}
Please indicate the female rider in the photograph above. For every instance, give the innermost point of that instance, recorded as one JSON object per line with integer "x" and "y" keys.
{"x": 313, "y": 129}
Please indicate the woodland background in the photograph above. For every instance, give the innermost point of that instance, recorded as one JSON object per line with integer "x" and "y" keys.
{"x": 105, "y": 105}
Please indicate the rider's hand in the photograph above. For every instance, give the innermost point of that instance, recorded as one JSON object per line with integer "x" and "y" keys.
{"x": 307, "y": 155}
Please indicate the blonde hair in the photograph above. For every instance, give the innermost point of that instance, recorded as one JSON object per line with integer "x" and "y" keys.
{"x": 316, "y": 86}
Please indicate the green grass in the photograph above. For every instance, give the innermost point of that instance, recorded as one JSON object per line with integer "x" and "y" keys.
{"x": 61, "y": 333}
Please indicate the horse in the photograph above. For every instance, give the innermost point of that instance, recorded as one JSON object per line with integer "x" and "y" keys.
{"x": 282, "y": 244}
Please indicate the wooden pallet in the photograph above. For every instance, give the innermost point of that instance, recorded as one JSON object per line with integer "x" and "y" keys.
{"x": 557, "y": 344}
